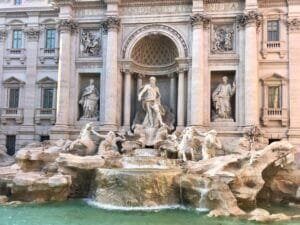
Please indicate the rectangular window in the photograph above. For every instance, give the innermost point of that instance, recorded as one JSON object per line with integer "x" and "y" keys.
{"x": 47, "y": 100}
{"x": 13, "y": 101}
{"x": 274, "y": 97}
{"x": 50, "y": 38}
{"x": 273, "y": 30}
{"x": 11, "y": 144}
{"x": 17, "y": 39}
{"x": 44, "y": 138}
{"x": 18, "y": 2}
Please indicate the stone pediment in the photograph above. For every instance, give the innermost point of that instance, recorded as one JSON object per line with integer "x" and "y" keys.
{"x": 273, "y": 77}
{"x": 47, "y": 81}
{"x": 12, "y": 81}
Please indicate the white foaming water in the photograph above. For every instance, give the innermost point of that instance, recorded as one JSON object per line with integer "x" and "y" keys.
{"x": 93, "y": 203}
{"x": 202, "y": 202}
{"x": 134, "y": 166}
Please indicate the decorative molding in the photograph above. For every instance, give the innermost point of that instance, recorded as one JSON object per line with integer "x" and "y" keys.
{"x": 67, "y": 25}
{"x": 250, "y": 18}
{"x": 293, "y": 25}
{"x": 158, "y": 29}
{"x": 32, "y": 33}
{"x": 3, "y": 35}
{"x": 112, "y": 22}
{"x": 199, "y": 19}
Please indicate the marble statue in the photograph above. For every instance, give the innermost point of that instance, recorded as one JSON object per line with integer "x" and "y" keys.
{"x": 150, "y": 97}
{"x": 89, "y": 101}
{"x": 90, "y": 43}
{"x": 109, "y": 146}
{"x": 223, "y": 40}
{"x": 188, "y": 144}
{"x": 221, "y": 100}
{"x": 210, "y": 144}
{"x": 84, "y": 144}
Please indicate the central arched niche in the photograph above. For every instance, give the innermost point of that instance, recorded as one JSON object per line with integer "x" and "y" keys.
{"x": 155, "y": 50}
{"x": 155, "y": 55}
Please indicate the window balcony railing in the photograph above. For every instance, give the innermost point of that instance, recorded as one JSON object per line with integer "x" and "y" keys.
{"x": 45, "y": 114}
{"x": 49, "y": 54}
{"x": 15, "y": 54}
{"x": 273, "y": 44}
{"x": 274, "y": 112}
{"x": 16, "y": 114}
{"x": 274, "y": 47}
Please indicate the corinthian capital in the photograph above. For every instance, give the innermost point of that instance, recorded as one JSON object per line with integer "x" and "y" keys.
{"x": 112, "y": 22}
{"x": 67, "y": 25}
{"x": 249, "y": 18}
{"x": 199, "y": 19}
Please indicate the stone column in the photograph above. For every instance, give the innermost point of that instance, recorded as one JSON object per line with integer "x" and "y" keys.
{"x": 294, "y": 80}
{"x": 251, "y": 20}
{"x": 2, "y": 50}
{"x": 139, "y": 83}
{"x": 197, "y": 76}
{"x": 181, "y": 99}
{"x": 111, "y": 70}
{"x": 172, "y": 91}
{"x": 127, "y": 99}
{"x": 26, "y": 133}
{"x": 29, "y": 105}
{"x": 66, "y": 28}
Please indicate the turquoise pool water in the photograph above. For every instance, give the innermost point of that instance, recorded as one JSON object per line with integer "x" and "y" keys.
{"x": 78, "y": 212}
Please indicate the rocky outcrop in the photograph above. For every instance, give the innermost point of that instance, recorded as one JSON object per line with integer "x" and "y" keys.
{"x": 37, "y": 187}
{"x": 136, "y": 187}
{"x": 239, "y": 176}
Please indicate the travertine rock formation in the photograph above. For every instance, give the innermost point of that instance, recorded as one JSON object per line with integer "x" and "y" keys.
{"x": 241, "y": 176}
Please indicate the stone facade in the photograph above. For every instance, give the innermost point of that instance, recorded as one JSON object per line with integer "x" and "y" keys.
{"x": 188, "y": 45}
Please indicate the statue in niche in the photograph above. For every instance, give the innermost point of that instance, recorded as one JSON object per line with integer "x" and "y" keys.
{"x": 221, "y": 100}
{"x": 150, "y": 97}
{"x": 90, "y": 43}
{"x": 223, "y": 39}
{"x": 89, "y": 101}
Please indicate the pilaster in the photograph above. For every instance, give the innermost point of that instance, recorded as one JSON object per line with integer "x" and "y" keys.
{"x": 196, "y": 83}
{"x": 294, "y": 79}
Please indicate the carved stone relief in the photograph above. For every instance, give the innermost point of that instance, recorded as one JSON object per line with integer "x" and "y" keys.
{"x": 222, "y": 38}
{"x": 90, "y": 44}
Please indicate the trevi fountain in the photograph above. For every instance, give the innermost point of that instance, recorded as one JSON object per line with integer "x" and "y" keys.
{"x": 179, "y": 175}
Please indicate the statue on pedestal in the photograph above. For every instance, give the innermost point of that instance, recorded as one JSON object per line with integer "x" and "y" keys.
{"x": 89, "y": 101}
{"x": 150, "y": 97}
{"x": 221, "y": 100}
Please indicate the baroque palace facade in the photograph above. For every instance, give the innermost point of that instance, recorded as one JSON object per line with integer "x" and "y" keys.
{"x": 53, "y": 52}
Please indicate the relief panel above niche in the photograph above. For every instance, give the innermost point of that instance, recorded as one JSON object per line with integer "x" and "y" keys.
{"x": 223, "y": 38}
{"x": 90, "y": 43}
